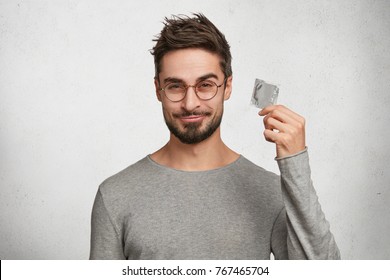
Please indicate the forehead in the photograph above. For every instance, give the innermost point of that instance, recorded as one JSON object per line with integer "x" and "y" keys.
{"x": 190, "y": 64}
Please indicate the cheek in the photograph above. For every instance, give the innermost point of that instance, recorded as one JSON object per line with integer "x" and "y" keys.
{"x": 218, "y": 104}
{"x": 168, "y": 109}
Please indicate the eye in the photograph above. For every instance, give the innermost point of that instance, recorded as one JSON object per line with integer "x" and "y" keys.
{"x": 205, "y": 85}
{"x": 174, "y": 86}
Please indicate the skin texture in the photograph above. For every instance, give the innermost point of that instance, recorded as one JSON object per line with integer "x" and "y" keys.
{"x": 289, "y": 136}
{"x": 194, "y": 117}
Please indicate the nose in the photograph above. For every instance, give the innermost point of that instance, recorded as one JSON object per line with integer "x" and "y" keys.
{"x": 191, "y": 100}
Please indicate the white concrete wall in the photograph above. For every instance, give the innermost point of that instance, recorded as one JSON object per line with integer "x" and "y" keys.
{"x": 77, "y": 105}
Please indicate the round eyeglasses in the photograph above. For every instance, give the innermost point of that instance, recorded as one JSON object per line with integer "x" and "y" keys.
{"x": 204, "y": 90}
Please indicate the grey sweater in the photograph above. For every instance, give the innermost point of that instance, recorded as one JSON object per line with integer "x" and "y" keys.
{"x": 239, "y": 211}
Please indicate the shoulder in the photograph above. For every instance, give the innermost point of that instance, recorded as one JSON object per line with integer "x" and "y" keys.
{"x": 119, "y": 184}
{"x": 266, "y": 183}
{"x": 260, "y": 185}
{"x": 252, "y": 170}
{"x": 243, "y": 170}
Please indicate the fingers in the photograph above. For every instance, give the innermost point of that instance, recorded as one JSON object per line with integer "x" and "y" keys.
{"x": 270, "y": 135}
{"x": 285, "y": 128}
{"x": 282, "y": 119}
{"x": 279, "y": 120}
{"x": 280, "y": 110}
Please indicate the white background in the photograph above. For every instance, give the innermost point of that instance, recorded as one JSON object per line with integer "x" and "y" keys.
{"x": 77, "y": 105}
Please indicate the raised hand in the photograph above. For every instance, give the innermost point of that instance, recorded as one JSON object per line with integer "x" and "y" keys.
{"x": 285, "y": 128}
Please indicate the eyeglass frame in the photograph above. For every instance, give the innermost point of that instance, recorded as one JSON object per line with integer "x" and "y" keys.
{"x": 193, "y": 86}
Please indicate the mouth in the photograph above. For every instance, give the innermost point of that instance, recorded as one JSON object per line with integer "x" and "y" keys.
{"x": 192, "y": 117}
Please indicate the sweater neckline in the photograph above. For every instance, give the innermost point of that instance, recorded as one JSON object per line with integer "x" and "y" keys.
{"x": 218, "y": 169}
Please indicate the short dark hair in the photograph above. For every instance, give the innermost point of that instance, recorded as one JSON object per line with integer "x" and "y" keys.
{"x": 182, "y": 32}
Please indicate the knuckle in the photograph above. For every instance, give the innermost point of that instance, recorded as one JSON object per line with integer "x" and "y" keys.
{"x": 293, "y": 131}
{"x": 266, "y": 136}
{"x": 301, "y": 125}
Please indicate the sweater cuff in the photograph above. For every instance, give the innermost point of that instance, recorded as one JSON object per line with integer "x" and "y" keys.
{"x": 295, "y": 166}
{"x": 293, "y": 155}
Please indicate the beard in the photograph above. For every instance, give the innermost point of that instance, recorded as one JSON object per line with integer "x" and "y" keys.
{"x": 192, "y": 133}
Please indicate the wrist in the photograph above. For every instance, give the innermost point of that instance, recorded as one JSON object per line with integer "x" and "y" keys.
{"x": 292, "y": 155}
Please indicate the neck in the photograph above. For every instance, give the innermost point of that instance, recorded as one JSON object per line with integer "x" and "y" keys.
{"x": 209, "y": 154}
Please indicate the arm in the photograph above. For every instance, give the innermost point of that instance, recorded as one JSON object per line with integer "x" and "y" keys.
{"x": 105, "y": 240}
{"x": 307, "y": 232}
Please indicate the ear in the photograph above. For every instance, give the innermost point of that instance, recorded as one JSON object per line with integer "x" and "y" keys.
{"x": 157, "y": 87}
{"x": 228, "y": 88}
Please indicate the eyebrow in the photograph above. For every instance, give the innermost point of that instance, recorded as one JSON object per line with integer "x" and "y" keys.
{"x": 201, "y": 78}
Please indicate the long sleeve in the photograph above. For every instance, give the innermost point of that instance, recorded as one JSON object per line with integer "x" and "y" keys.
{"x": 105, "y": 241}
{"x": 308, "y": 232}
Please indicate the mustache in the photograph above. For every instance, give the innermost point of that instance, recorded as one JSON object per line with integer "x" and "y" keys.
{"x": 188, "y": 114}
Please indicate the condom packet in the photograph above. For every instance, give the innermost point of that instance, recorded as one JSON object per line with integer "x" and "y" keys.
{"x": 264, "y": 94}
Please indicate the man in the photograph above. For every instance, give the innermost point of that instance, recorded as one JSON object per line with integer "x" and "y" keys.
{"x": 195, "y": 198}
